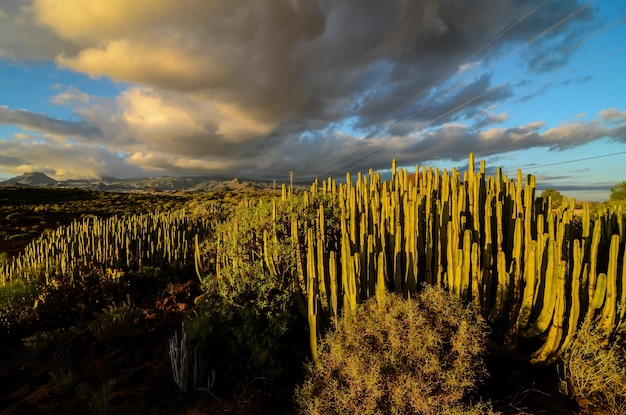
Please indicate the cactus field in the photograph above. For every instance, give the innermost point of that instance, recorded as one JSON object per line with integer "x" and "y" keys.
{"x": 258, "y": 282}
{"x": 533, "y": 272}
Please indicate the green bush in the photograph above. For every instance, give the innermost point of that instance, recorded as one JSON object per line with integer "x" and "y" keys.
{"x": 418, "y": 356}
{"x": 554, "y": 195}
{"x": 594, "y": 369}
{"x": 249, "y": 310}
{"x": 26, "y": 306}
{"x": 251, "y": 331}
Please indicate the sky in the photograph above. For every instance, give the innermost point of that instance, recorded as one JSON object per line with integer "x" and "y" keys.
{"x": 256, "y": 89}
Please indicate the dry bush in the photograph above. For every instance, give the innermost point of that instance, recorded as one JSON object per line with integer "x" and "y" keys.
{"x": 418, "y": 356}
{"x": 594, "y": 369}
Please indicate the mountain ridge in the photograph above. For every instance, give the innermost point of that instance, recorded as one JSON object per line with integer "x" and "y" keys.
{"x": 150, "y": 184}
{"x": 31, "y": 179}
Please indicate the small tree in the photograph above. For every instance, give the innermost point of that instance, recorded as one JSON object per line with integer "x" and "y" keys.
{"x": 554, "y": 194}
{"x": 618, "y": 192}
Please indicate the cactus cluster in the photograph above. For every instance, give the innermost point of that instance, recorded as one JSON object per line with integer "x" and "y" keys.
{"x": 533, "y": 272}
{"x": 128, "y": 242}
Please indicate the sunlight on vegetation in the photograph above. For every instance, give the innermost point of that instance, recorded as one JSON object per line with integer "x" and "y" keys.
{"x": 269, "y": 284}
{"x": 423, "y": 355}
{"x": 594, "y": 370}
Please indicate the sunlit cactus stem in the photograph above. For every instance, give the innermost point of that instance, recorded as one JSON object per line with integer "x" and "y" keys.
{"x": 312, "y": 295}
{"x": 609, "y": 311}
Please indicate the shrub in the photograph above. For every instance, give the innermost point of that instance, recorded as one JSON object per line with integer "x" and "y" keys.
{"x": 420, "y": 356}
{"x": 16, "y": 305}
{"x": 14, "y": 218}
{"x": 115, "y": 322}
{"x": 247, "y": 312}
{"x": 248, "y": 305}
{"x": 594, "y": 369}
{"x": 46, "y": 341}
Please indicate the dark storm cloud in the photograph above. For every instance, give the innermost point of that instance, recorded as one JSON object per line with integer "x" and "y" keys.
{"x": 267, "y": 86}
{"x": 282, "y": 60}
{"x": 22, "y": 39}
{"x": 552, "y": 45}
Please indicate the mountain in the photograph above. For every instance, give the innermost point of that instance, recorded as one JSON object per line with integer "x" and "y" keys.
{"x": 154, "y": 184}
{"x": 31, "y": 179}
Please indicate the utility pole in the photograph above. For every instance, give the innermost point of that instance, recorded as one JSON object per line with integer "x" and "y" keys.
{"x": 290, "y": 183}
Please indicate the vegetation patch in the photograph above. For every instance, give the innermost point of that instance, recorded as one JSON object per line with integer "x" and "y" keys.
{"x": 594, "y": 369}
{"x": 261, "y": 283}
{"x": 423, "y": 356}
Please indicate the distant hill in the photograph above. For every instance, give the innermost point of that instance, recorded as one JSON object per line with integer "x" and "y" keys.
{"x": 31, "y": 179}
{"x": 154, "y": 184}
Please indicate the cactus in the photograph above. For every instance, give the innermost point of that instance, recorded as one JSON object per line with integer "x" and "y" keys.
{"x": 609, "y": 311}
{"x": 599, "y": 293}
{"x": 198, "y": 260}
{"x": 622, "y": 302}
{"x": 131, "y": 242}
{"x": 502, "y": 290}
{"x": 546, "y": 353}
{"x": 334, "y": 290}
{"x": 482, "y": 237}
{"x": 573, "y": 313}
{"x": 530, "y": 279}
{"x": 311, "y": 295}
{"x": 549, "y": 286}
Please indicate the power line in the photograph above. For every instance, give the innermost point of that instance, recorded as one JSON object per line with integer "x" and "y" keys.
{"x": 489, "y": 43}
{"x": 587, "y": 39}
{"x": 507, "y": 56}
{"x": 485, "y": 46}
{"x": 527, "y": 43}
{"x": 469, "y": 101}
{"x": 598, "y": 60}
{"x": 574, "y": 161}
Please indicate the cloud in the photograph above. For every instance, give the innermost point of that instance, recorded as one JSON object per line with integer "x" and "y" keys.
{"x": 613, "y": 114}
{"x": 286, "y": 60}
{"x": 161, "y": 65}
{"x": 267, "y": 86}
{"x": 41, "y": 122}
{"x": 153, "y": 148}
{"x": 22, "y": 38}
{"x": 491, "y": 118}
{"x": 70, "y": 96}
{"x": 62, "y": 160}
{"x": 97, "y": 19}
{"x": 551, "y": 47}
